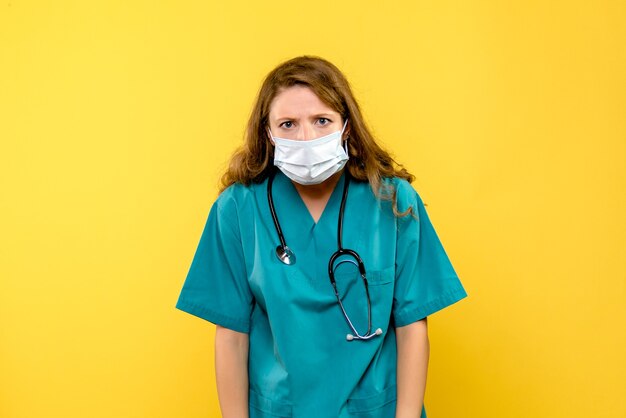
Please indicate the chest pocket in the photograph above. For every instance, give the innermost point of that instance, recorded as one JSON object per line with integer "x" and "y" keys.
{"x": 352, "y": 292}
{"x": 379, "y": 277}
{"x": 348, "y": 273}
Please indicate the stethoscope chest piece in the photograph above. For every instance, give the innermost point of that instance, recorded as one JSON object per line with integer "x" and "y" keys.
{"x": 285, "y": 255}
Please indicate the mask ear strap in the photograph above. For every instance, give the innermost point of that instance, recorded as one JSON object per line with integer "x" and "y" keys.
{"x": 345, "y": 142}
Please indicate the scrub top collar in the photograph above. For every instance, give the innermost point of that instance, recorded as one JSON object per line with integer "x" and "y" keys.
{"x": 289, "y": 203}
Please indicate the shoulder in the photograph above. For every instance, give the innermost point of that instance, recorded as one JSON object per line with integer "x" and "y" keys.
{"x": 406, "y": 195}
{"x": 233, "y": 199}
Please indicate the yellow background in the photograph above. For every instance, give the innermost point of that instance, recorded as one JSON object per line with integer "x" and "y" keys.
{"x": 117, "y": 118}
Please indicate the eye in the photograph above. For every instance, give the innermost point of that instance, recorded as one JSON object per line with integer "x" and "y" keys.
{"x": 324, "y": 121}
{"x": 287, "y": 124}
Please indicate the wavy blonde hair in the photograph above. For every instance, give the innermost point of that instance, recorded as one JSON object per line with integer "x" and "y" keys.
{"x": 253, "y": 161}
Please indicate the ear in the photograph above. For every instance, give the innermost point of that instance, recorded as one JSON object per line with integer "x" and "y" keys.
{"x": 269, "y": 136}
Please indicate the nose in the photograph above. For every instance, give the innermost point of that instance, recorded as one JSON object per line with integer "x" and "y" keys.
{"x": 307, "y": 132}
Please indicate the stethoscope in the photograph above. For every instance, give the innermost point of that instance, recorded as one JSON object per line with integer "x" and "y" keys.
{"x": 286, "y": 255}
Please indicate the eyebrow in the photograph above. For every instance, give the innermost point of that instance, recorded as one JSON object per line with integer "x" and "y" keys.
{"x": 318, "y": 115}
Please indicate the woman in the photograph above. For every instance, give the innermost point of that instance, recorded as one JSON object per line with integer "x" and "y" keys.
{"x": 318, "y": 262}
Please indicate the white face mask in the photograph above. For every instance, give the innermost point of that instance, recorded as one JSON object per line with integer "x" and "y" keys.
{"x": 310, "y": 162}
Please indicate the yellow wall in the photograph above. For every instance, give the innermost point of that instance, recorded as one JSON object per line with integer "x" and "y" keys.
{"x": 116, "y": 118}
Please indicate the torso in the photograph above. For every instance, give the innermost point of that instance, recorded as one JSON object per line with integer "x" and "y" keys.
{"x": 297, "y": 325}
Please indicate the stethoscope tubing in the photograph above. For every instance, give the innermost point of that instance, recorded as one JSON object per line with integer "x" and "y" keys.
{"x": 279, "y": 230}
{"x": 286, "y": 256}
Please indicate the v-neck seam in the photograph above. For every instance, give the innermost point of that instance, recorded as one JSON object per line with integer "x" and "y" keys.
{"x": 330, "y": 200}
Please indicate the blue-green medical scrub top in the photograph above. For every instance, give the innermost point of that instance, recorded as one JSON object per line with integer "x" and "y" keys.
{"x": 300, "y": 363}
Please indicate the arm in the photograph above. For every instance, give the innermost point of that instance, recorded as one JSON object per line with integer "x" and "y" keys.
{"x": 231, "y": 372}
{"x": 413, "y": 352}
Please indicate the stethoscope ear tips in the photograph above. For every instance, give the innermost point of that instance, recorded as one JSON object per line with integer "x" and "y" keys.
{"x": 378, "y": 331}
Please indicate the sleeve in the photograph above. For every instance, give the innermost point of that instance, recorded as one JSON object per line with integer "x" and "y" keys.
{"x": 426, "y": 281}
{"x": 216, "y": 288}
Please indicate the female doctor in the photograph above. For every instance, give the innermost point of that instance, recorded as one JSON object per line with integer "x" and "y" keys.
{"x": 318, "y": 262}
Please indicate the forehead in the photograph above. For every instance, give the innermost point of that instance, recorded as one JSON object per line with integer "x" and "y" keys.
{"x": 297, "y": 100}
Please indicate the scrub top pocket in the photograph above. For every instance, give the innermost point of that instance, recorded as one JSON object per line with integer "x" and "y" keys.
{"x": 379, "y": 277}
{"x": 382, "y": 404}
{"x": 262, "y": 407}
{"x": 374, "y": 277}
{"x": 354, "y": 298}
